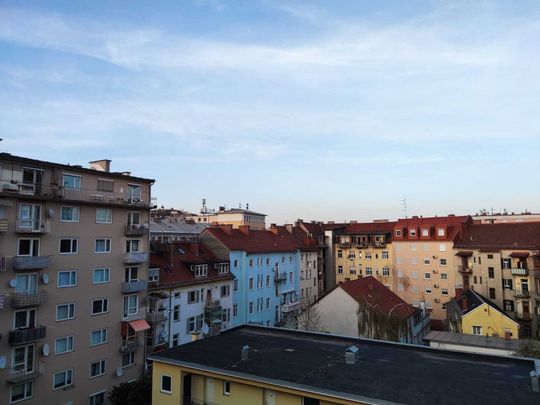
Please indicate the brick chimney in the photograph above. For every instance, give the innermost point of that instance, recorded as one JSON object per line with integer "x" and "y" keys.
{"x": 227, "y": 228}
{"x": 244, "y": 229}
{"x": 274, "y": 229}
{"x": 289, "y": 228}
{"x": 103, "y": 165}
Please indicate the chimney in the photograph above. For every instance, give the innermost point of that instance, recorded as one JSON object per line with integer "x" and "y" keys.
{"x": 227, "y": 228}
{"x": 103, "y": 165}
{"x": 464, "y": 303}
{"x": 289, "y": 228}
{"x": 507, "y": 335}
{"x": 274, "y": 229}
{"x": 351, "y": 355}
{"x": 244, "y": 229}
{"x": 245, "y": 353}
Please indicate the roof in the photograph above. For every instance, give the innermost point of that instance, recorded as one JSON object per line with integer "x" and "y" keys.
{"x": 304, "y": 242}
{"x": 184, "y": 255}
{"x": 369, "y": 228}
{"x": 474, "y": 300}
{"x": 493, "y": 342}
{"x": 368, "y": 290}
{"x": 385, "y": 371}
{"x": 314, "y": 228}
{"x": 238, "y": 211}
{"x": 515, "y": 235}
{"x": 452, "y": 224}
{"x": 39, "y": 163}
{"x": 252, "y": 240}
{"x": 171, "y": 225}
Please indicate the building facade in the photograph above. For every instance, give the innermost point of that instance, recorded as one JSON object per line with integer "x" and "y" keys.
{"x": 73, "y": 271}
{"x": 236, "y": 217}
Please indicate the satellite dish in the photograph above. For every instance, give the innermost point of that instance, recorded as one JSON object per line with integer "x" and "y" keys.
{"x": 3, "y": 362}
{"x": 205, "y": 329}
{"x": 45, "y": 278}
{"x": 13, "y": 282}
{"x": 119, "y": 372}
{"x": 45, "y": 350}
{"x": 50, "y": 213}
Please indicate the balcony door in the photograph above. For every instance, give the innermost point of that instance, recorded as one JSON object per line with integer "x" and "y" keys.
{"x": 31, "y": 181}
{"x": 26, "y": 283}
{"x": 30, "y": 216}
{"x": 22, "y": 360}
{"x": 134, "y": 218}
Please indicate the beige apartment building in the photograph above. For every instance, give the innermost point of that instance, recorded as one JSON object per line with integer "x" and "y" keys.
{"x": 425, "y": 263}
{"x": 236, "y": 217}
{"x": 73, "y": 277}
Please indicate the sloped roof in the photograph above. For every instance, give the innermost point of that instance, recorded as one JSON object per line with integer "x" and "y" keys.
{"x": 370, "y": 291}
{"x": 370, "y": 228}
{"x": 175, "y": 226}
{"x": 452, "y": 224}
{"x": 253, "y": 240}
{"x": 515, "y": 235}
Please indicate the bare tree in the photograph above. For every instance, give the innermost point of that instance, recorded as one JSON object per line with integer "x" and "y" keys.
{"x": 309, "y": 318}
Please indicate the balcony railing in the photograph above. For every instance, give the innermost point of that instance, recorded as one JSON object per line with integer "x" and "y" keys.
{"x": 25, "y": 300}
{"x": 280, "y": 277}
{"x": 32, "y": 226}
{"x": 526, "y": 316}
{"x": 464, "y": 269}
{"x": 155, "y": 317}
{"x": 22, "y": 336}
{"x": 4, "y": 225}
{"x": 134, "y": 286}
{"x": 520, "y": 272}
{"x": 130, "y": 346}
{"x": 30, "y": 262}
{"x": 141, "y": 314}
{"x": 135, "y": 257}
{"x": 135, "y": 230}
{"x": 522, "y": 294}
{"x": 16, "y": 377}
{"x": 290, "y": 307}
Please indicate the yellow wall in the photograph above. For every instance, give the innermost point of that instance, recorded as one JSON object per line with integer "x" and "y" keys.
{"x": 162, "y": 398}
{"x": 376, "y": 263}
{"x": 491, "y": 321}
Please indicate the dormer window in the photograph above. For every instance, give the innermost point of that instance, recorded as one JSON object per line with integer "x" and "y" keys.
{"x": 223, "y": 268}
{"x": 399, "y": 233}
{"x": 412, "y": 232}
{"x": 425, "y": 232}
{"x": 440, "y": 231}
{"x": 199, "y": 270}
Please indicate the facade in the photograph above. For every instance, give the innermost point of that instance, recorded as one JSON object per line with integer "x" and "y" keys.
{"x": 502, "y": 263}
{"x": 470, "y": 313}
{"x": 341, "y": 311}
{"x": 486, "y": 218}
{"x": 73, "y": 271}
{"x": 315, "y": 231}
{"x": 189, "y": 288}
{"x": 236, "y": 217}
{"x": 254, "y": 365}
{"x": 265, "y": 264}
{"x": 365, "y": 250}
{"x": 424, "y": 262}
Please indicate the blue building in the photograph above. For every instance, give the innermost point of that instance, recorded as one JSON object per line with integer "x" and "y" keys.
{"x": 266, "y": 266}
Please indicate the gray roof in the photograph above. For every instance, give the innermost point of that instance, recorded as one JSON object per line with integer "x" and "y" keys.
{"x": 385, "y": 372}
{"x": 492, "y": 342}
{"x": 175, "y": 226}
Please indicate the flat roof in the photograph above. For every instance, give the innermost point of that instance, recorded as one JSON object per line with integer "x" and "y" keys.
{"x": 385, "y": 372}
{"x": 491, "y": 342}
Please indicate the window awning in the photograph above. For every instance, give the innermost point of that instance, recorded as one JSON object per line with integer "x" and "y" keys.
{"x": 519, "y": 254}
{"x": 139, "y": 325}
{"x": 464, "y": 253}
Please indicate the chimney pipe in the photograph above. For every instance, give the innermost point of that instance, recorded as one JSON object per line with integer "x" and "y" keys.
{"x": 245, "y": 353}
{"x": 351, "y": 355}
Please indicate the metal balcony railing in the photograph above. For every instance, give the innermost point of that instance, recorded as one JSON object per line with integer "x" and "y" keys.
{"x": 280, "y": 277}
{"x": 464, "y": 269}
{"x": 134, "y": 286}
{"x": 22, "y": 336}
{"x": 19, "y": 376}
{"x": 522, "y": 294}
{"x": 141, "y": 314}
{"x": 290, "y": 307}
{"x": 4, "y": 225}
{"x": 32, "y": 226}
{"x": 155, "y": 317}
{"x": 25, "y": 300}
{"x": 130, "y": 346}
{"x": 135, "y": 257}
{"x": 519, "y": 272}
{"x": 30, "y": 262}
{"x": 135, "y": 230}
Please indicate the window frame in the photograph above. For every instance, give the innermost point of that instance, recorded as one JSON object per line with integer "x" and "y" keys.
{"x": 70, "y": 272}
{"x": 69, "y": 305}
{"x": 102, "y": 368}
{"x": 104, "y": 336}
{"x": 161, "y": 389}
{"x": 75, "y": 176}
{"x": 108, "y": 241}
{"x": 108, "y": 216}
{"x": 67, "y": 383}
{"x": 68, "y": 339}
{"x": 74, "y": 209}
{"x": 108, "y": 272}
{"x": 104, "y": 304}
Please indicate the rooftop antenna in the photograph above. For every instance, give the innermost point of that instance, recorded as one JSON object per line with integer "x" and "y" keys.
{"x": 247, "y": 206}
{"x": 204, "y": 209}
{"x": 404, "y": 203}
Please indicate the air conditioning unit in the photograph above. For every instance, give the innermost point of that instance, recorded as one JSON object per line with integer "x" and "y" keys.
{"x": 437, "y": 300}
{"x": 436, "y": 286}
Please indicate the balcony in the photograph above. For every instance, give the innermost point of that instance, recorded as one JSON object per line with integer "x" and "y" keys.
{"x": 524, "y": 316}
{"x": 135, "y": 230}
{"x": 134, "y": 286}
{"x": 135, "y": 257}
{"x": 522, "y": 294}
{"x": 30, "y": 262}
{"x": 155, "y": 317}
{"x": 280, "y": 277}
{"x": 290, "y": 307}
{"x": 464, "y": 269}
{"x": 141, "y": 314}
{"x": 23, "y": 336}
{"x": 130, "y": 346}
{"x": 25, "y": 300}
{"x": 4, "y": 225}
{"x": 344, "y": 244}
{"x": 519, "y": 272}
{"x": 35, "y": 226}
{"x": 16, "y": 377}
{"x": 213, "y": 309}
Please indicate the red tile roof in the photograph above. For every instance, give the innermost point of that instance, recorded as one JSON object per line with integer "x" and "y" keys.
{"x": 370, "y": 228}
{"x": 251, "y": 240}
{"x": 304, "y": 242}
{"x": 368, "y": 290}
{"x": 451, "y": 223}
{"x": 515, "y": 235}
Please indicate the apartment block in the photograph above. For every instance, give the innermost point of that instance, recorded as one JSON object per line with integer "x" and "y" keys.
{"x": 315, "y": 230}
{"x": 73, "y": 271}
{"x": 236, "y": 217}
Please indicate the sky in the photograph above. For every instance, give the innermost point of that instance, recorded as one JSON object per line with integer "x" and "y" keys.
{"x": 315, "y": 110}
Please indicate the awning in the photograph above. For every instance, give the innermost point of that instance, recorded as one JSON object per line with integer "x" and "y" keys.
{"x": 159, "y": 295}
{"x": 464, "y": 253}
{"x": 139, "y": 325}
{"x": 519, "y": 254}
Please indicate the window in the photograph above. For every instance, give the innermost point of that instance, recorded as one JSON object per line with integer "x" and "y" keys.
{"x": 97, "y": 399}
{"x": 250, "y": 262}
{"x": 22, "y": 391}
{"x": 28, "y": 247}
{"x": 65, "y": 312}
{"x": 223, "y": 268}
{"x": 251, "y": 307}
{"x": 70, "y": 214}
{"x": 176, "y": 313}
{"x": 507, "y": 283}
{"x": 98, "y": 368}
{"x": 200, "y": 270}
{"x": 369, "y": 271}
{"x": 130, "y": 305}
{"x": 425, "y": 232}
{"x": 442, "y": 247}
{"x": 67, "y": 279}
{"x": 440, "y": 231}
{"x": 490, "y": 256}
{"x": 128, "y": 359}
{"x": 103, "y": 216}
{"x": 399, "y": 259}
{"x": 413, "y": 247}
{"x": 100, "y": 276}
{"x": 412, "y": 232}
{"x": 236, "y": 263}
{"x": 427, "y": 275}
{"x": 444, "y": 276}
{"x": 176, "y": 339}
{"x": 267, "y": 280}
{"x": 491, "y": 272}
{"x": 386, "y": 271}
{"x": 25, "y": 318}
{"x": 193, "y": 296}
{"x": 414, "y": 274}
{"x": 251, "y": 283}
{"x": 340, "y": 253}
{"x": 427, "y": 290}
{"x": 426, "y": 260}
{"x": 401, "y": 287}
{"x": 368, "y": 255}
{"x": 71, "y": 182}
{"x": 235, "y": 310}
{"x": 100, "y": 306}
{"x": 26, "y": 283}
{"x": 98, "y": 337}
{"x": 105, "y": 185}
{"x": 63, "y": 345}
{"x": 477, "y": 330}
{"x": 133, "y": 245}
{"x": 385, "y": 254}
{"x": 134, "y": 193}
{"x": 492, "y": 293}
{"x": 235, "y": 285}
{"x": 166, "y": 383}
{"x": 103, "y": 245}
{"x": 414, "y": 260}
{"x": 225, "y": 290}
{"x": 131, "y": 274}
{"x": 508, "y": 305}
{"x": 340, "y": 269}
{"x": 226, "y": 388}
{"x": 63, "y": 379}
{"x": 507, "y": 263}
{"x": 442, "y": 262}
{"x": 22, "y": 359}
{"x": 398, "y": 233}
{"x": 68, "y": 246}
{"x": 444, "y": 291}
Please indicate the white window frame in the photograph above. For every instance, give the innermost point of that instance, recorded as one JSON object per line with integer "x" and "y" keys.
{"x": 25, "y": 383}
{"x": 73, "y": 242}
{"x": 108, "y": 216}
{"x": 103, "y": 305}
{"x": 128, "y": 309}
{"x": 108, "y": 241}
{"x": 106, "y": 271}
{"x": 71, "y": 282}
{"x": 102, "y": 364}
{"x": 75, "y": 176}
{"x": 71, "y": 308}
{"x": 70, "y": 338}
{"x": 226, "y": 388}
{"x": 68, "y": 379}
{"x": 161, "y": 384}
{"x": 74, "y": 210}
{"x": 131, "y": 356}
{"x": 93, "y": 396}
{"x": 103, "y": 333}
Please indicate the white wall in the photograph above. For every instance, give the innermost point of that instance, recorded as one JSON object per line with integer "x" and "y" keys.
{"x": 308, "y": 268}
{"x": 472, "y": 349}
{"x": 338, "y": 313}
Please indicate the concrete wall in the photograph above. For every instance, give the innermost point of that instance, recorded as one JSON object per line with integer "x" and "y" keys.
{"x": 338, "y": 313}
{"x": 491, "y": 321}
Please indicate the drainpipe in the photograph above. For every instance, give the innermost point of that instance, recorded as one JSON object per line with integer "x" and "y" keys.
{"x": 169, "y": 317}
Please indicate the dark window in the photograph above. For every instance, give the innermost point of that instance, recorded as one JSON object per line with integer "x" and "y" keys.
{"x": 508, "y": 305}
{"x": 491, "y": 272}
{"x": 166, "y": 383}
{"x": 311, "y": 401}
{"x": 492, "y": 293}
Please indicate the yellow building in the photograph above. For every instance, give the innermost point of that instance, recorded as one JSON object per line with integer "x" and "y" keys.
{"x": 473, "y": 314}
{"x": 364, "y": 250}
{"x": 236, "y": 217}
{"x": 254, "y": 365}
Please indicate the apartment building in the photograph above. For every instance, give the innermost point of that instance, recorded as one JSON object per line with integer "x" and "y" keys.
{"x": 424, "y": 261}
{"x": 315, "y": 231}
{"x": 73, "y": 270}
{"x": 502, "y": 218}
{"x": 253, "y": 365}
{"x": 174, "y": 229}
{"x": 236, "y": 217}
{"x": 265, "y": 264}
{"x": 502, "y": 263}
{"x": 365, "y": 249}
{"x": 189, "y": 294}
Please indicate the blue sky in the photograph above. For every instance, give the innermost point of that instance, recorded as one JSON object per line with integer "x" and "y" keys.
{"x": 314, "y": 110}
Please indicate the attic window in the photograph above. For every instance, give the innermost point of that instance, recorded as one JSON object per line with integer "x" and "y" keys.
{"x": 180, "y": 251}
{"x": 440, "y": 231}
{"x": 412, "y": 232}
{"x": 425, "y": 232}
{"x": 398, "y": 232}
{"x": 200, "y": 270}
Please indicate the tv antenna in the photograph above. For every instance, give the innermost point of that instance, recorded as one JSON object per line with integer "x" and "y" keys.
{"x": 404, "y": 203}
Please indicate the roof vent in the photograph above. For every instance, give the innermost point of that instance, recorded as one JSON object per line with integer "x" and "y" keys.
{"x": 245, "y": 353}
{"x": 351, "y": 355}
